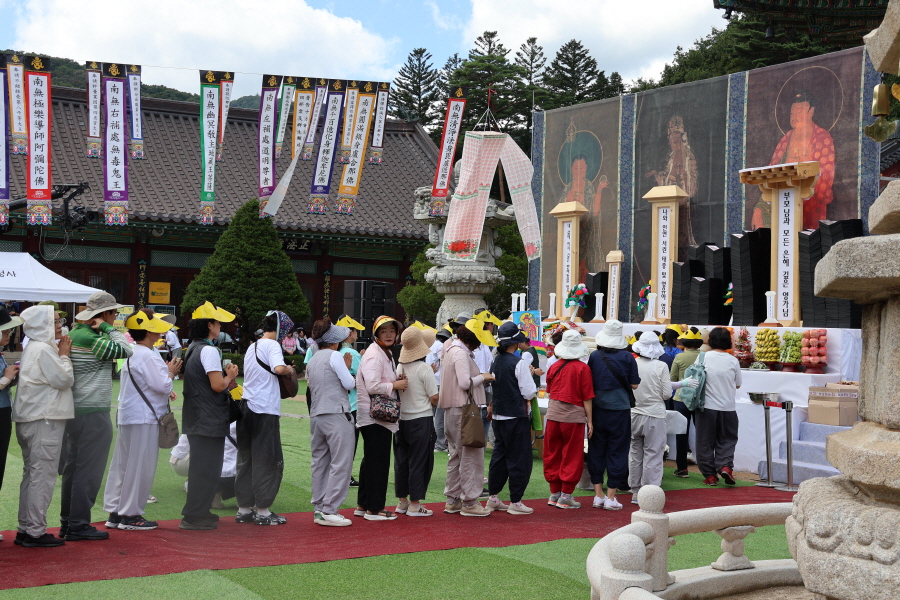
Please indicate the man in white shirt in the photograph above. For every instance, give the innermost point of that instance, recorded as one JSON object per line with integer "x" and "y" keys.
{"x": 434, "y": 361}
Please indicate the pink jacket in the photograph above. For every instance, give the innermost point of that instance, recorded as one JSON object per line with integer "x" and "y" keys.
{"x": 376, "y": 376}
{"x": 458, "y": 373}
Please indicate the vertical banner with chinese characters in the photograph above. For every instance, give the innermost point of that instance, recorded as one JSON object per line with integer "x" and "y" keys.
{"x": 309, "y": 143}
{"x": 227, "y": 84}
{"x": 518, "y": 170}
{"x": 93, "y": 141}
{"x": 350, "y": 104}
{"x": 37, "y": 94}
{"x": 376, "y": 152}
{"x": 210, "y": 102}
{"x": 359, "y": 138}
{"x": 18, "y": 111}
{"x": 785, "y": 229}
{"x": 4, "y": 147}
{"x": 567, "y": 242}
{"x": 268, "y": 117}
{"x": 135, "y": 120}
{"x": 456, "y": 105}
{"x": 288, "y": 88}
{"x": 664, "y": 254}
{"x": 328, "y": 145}
{"x": 115, "y": 145}
{"x": 306, "y": 92}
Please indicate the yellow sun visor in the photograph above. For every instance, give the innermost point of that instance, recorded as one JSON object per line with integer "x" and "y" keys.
{"x": 208, "y": 311}
{"x": 140, "y": 320}
{"x": 422, "y": 327}
{"x": 484, "y": 336}
{"x": 487, "y": 316}
{"x": 350, "y": 322}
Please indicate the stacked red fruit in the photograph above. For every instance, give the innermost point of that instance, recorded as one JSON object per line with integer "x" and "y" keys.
{"x": 813, "y": 349}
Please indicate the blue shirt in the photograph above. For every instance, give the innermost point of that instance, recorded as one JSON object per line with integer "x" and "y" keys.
{"x": 4, "y": 393}
{"x": 604, "y": 381}
{"x": 355, "y": 359}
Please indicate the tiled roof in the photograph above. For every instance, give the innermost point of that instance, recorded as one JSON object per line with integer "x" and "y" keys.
{"x": 166, "y": 185}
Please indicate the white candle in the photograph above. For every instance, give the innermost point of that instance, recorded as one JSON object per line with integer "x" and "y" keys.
{"x": 770, "y": 307}
{"x": 552, "y": 314}
{"x": 598, "y": 310}
{"x": 515, "y": 302}
{"x": 522, "y": 298}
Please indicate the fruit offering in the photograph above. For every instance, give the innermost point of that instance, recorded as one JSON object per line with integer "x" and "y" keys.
{"x": 812, "y": 347}
{"x": 791, "y": 350}
{"x": 768, "y": 345}
{"x": 743, "y": 350}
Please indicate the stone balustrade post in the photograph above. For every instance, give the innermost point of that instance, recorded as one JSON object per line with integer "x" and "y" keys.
{"x": 652, "y": 500}
{"x": 627, "y": 555}
{"x": 733, "y": 558}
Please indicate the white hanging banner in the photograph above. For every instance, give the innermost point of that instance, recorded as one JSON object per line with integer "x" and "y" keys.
{"x": 309, "y": 143}
{"x": 664, "y": 253}
{"x": 94, "y": 93}
{"x": 287, "y": 100}
{"x": 302, "y": 111}
{"x": 567, "y": 284}
{"x": 376, "y": 151}
{"x": 784, "y": 229}
{"x": 612, "y": 303}
{"x": 210, "y": 103}
{"x": 18, "y": 112}
{"x": 136, "y": 142}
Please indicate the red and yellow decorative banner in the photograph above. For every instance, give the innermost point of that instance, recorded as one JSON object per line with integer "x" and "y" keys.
{"x": 38, "y": 101}
{"x": 359, "y": 138}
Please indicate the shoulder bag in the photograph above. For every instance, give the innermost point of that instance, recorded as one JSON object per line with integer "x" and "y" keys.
{"x": 472, "y": 434}
{"x": 168, "y": 427}
{"x": 620, "y": 379}
{"x": 287, "y": 383}
{"x": 382, "y": 407}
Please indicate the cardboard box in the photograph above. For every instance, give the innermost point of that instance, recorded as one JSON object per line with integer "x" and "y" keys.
{"x": 829, "y": 412}
{"x": 834, "y": 394}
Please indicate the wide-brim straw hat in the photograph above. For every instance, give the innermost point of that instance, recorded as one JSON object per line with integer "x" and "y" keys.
{"x": 414, "y": 346}
{"x": 429, "y": 336}
{"x": 98, "y": 302}
{"x": 611, "y": 336}
{"x": 7, "y": 321}
{"x": 571, "y": 346}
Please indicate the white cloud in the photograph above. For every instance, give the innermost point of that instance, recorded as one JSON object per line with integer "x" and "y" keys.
{"x": 442, "y": 20}
{"x": 286, "y": 37}
{"x": 634, "y": 38}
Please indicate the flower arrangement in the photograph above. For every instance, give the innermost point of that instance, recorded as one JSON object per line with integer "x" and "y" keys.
{"x": 577, "y": 296}
{"x": 729, "y": 295}
{"x": 642, "y": 295}
{"x": 459, "y": 246}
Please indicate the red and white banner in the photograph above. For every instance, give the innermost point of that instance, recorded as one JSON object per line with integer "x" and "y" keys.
{"x": 37, "y": 86}
{"x": 456, "y": 105}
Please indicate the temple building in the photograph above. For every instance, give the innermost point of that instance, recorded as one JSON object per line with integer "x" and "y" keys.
{"x": 164, "y": 240}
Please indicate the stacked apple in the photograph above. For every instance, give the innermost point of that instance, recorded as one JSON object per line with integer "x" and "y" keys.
{"x": 813, "y": 349}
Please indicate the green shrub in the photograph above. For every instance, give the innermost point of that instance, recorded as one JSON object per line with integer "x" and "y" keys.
{"x": 297, "y": 361}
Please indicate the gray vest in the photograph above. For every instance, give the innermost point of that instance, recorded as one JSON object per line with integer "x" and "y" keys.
{"x": 205, "y": 412}
{"x": 327, "y": 394}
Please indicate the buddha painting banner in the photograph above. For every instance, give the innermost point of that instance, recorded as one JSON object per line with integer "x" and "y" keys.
{"x": 227, "y": 85}
{"x": 4, "y": 145}
{"x": 94, "y": 94}
{"x": 210, "y": 104}
{"x": 465, "y": 223}
{"x": 115, "y": 148}
{"x": 518, "y": 171}
{"x": 376, "y": 152}
{"x": 309, "y": 143}
{"x": 359, "y": 129}
{"x": 18, "y": 112}
{"x": 135, "y": 120}
{"x": 350, "y": 104}
{"x": 303, "y": 104}
{"x": 456, "y": 106}
{"x": 37, "y": 88}
{"x": 287, "y": 100}
{"x": 268, "y": 117}
{"x": 331, "y": 135}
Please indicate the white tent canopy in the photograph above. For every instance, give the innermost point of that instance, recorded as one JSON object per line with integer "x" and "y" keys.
{"x": 24, "y": 278}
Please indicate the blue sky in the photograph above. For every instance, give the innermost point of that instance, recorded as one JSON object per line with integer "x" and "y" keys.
{"x": 350, "y": 39}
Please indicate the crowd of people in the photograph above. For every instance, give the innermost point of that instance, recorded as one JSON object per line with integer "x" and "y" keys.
{"x": 455, "y": 389}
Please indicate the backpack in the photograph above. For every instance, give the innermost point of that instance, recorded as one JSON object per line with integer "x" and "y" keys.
{"x": 694, "y": 399}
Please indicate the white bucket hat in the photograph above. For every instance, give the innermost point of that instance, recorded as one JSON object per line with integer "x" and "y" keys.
{"x": 611, "y": 336}
{"x": 571, "y": 347}
{"x": 648, "y": 345}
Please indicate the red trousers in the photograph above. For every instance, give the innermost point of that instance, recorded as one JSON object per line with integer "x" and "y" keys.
{"x": 563, "y": 456}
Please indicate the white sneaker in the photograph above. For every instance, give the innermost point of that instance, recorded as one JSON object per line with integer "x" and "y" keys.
{"x": 496, "y": 504}
{"x": 598, "y": 501}
{"x": 517, "y": 508}
{"x": 333, "y": 520}
{"x": 610, "y": 504}
{"x": 690, "y": 458}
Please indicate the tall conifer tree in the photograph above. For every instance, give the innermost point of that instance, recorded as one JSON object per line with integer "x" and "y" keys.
{"x": 415, "y": 89}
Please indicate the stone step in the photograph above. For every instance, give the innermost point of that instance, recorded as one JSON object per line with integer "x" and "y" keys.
{"x": 802, "y": 471}
{"x": 806, "y": 452}
{"x": 814, "y": 432}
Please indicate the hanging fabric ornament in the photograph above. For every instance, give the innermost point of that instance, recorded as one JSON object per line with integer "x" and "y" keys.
{"x": 39, "y": 102}
{"x": 115, "y": 147}
{"x": 303, "y": 104}
{"x": 287, "y": 101}
{"x": 18, "y": 111}
{"x": 331, "y": 131}
{"x": 93, "y": 141}
{"x": 350, "y": 107}
{"x": 376, "y": 152}
{"x": 309, "y": 143}
{"x": 210, "y": 103}
{"x": 4, "y": 144}
{"x": 359, "y": 129}
{"x": 456, "y": 105}
{"x": 226, "y": 84}
{"x": 268, "y": 118}
{"x": 135, "y": 122}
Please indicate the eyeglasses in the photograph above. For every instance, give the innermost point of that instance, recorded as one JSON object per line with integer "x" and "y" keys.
{"x": 59, "y": 321}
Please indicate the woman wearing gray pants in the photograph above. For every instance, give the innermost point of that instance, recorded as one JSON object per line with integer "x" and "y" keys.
{"x": 331, "y": 424}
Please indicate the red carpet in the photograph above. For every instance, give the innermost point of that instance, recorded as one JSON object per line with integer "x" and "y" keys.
{"x": 171, "y": 550}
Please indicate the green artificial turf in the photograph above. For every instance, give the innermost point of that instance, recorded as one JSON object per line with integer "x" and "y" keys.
{"x": 295, "y": 488}
{"x": 549, "y": 570}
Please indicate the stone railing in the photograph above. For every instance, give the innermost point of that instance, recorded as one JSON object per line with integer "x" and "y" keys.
{"x": 631, "y": 563}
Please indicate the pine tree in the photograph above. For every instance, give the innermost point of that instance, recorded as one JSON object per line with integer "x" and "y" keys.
{"x": 616, "y": 85}
{"x": 415, "y": 90}
{"x": 488, "y": 43}
{"x": 248, "y": 273}
{"x": 530, "y": 57}
{"x": 572, "y": 77}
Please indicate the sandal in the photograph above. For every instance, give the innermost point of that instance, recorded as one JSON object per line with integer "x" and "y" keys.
{"x": 402, "y": 507}
{"x": 359, "y": 512}
{"x": 422, "y": 512}
{"x": 384, "y": 515}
